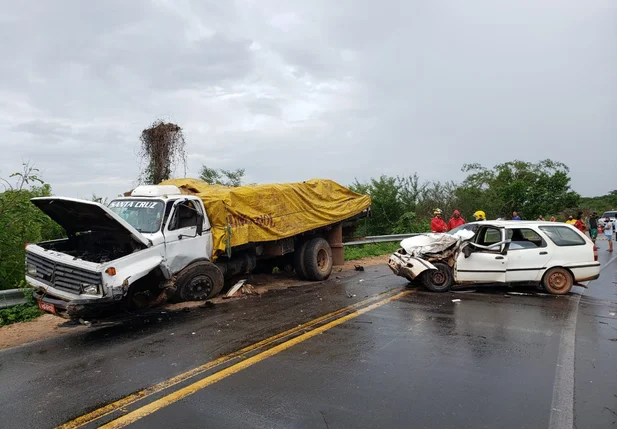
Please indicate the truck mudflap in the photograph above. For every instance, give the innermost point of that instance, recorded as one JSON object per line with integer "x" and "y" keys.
{"x": 407, "y": 266}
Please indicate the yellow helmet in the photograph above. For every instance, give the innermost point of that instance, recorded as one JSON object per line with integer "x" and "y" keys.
{"x": 480, "y": 215}
{"x": 437, "y": 211}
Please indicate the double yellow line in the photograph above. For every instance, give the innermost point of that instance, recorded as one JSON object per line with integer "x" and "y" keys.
{"x": 352, "y": 310}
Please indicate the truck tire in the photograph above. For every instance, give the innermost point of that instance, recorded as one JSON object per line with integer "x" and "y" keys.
{"x": 558, "y": 281}
{"x": 299, "y": 260}
{"x": 439, "y": 280}
{"x": 317, "y": 259}
{"x": 199, "y": 281}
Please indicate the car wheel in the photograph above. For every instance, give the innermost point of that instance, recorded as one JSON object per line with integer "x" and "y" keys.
{"x": 198, "y": 282}
{"x": 439, "y": 280}
{"x": 558, "y": 281}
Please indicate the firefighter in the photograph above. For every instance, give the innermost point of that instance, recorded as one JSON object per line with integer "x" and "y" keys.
{"x": 438, "y": 224}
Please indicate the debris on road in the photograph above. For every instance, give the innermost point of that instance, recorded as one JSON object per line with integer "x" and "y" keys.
{"x": 235, "y": 288}
{"x": 359, "y": 268}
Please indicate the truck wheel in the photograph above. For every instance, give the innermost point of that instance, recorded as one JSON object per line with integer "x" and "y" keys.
{"x": 199, "y": 281}
{"x": 299, "y": 260}
{"x": 557, "y": 281}
{"x": 317, "y": 259}
{"x": 439, "y": 280}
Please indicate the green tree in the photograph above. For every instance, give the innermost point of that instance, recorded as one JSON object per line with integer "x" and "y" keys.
{"x": 221, "y": 176}
{"x": 21, "y": 222}
{"x": 532, "y": 189}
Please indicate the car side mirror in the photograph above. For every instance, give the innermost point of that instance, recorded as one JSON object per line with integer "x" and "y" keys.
{"x": 200, "y": 224}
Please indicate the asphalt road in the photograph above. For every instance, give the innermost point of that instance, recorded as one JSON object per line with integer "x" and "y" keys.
{"x": 398, "y": 358}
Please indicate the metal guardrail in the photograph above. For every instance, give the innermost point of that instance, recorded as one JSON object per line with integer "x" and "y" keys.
{"x": 380, "y": 239}
{"x": 11, "y": 298}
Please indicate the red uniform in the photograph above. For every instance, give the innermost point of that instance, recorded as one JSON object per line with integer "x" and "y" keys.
{"x": 438, "y": 225}
{"x": 455, "y": 222}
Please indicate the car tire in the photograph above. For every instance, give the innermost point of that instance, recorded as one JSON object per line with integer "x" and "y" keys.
{"x": 198, "y": 282}
{"x": 439, "y": 280}
{"x": 298, "y": 262}
{"x": 318, "y": 259}
{"x": 558, "y": 281}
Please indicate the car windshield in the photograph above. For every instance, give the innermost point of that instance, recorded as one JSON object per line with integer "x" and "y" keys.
{"x": 467, "y": 227}
{"x": 143, "y": 215}
{"x": 610, "y": 215}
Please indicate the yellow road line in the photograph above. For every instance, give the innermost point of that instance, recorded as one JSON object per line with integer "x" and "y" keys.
{"x": 179, "y": 394}
{"x": 144, "y": 393}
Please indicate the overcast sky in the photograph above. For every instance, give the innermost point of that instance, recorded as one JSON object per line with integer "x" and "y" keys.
{"x": 296, "y": 89}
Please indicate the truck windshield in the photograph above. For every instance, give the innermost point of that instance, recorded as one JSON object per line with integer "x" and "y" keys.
{"x": 143, "y": 215}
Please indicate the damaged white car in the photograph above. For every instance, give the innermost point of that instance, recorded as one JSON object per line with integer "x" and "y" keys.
{"x": 553, "y": 255}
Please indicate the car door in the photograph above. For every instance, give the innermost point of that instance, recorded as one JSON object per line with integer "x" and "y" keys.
{"x": 183, "y": 244}
{"x": 528, "y": 255}
{"x": 483, "y": 265}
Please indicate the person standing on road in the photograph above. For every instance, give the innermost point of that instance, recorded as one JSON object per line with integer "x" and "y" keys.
{"x": 593, "y": 226}
{"x": 541, "y": 218}
{"x": 571, "y": 220}
{"x": 479, "y": 215}
{"x": 608, "y": 232}
{"x": 515, "y": 216}
{"x": 455, "y": 221}
{"x": 438, "y": 224}
{"x": 580, "y": 224}
{"x": 553, "y": 219}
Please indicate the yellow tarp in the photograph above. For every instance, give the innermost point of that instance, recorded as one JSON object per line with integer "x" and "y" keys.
{"x": 257, "y": 213}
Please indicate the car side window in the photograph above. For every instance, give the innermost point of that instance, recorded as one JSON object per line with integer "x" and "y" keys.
{"x": 563, "y": 236}
{"x": 488, "y": 235}
{"x": 524, "y": 238}
{"x": 186, "y": 215}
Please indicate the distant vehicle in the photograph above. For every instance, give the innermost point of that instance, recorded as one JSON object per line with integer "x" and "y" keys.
{"x": 609, "y": 214}
{"x": 555, "y": 256}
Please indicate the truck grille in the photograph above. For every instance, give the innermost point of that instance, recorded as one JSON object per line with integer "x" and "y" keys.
{"x": 62, "y": 276}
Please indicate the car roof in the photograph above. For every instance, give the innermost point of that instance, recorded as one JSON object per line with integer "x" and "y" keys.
{"x": 516, "y": 223}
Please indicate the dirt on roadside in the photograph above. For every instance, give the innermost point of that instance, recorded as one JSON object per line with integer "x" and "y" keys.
{"x": 48, "y": 325}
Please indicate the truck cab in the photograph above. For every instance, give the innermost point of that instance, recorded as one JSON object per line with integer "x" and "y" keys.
{"x": 130, "y": 252}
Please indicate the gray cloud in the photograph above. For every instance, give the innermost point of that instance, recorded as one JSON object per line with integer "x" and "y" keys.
{"x": 294, "y": 90}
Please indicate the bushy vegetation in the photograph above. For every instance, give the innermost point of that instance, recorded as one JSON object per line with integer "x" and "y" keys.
{"x": 21, "y": 313}
{"x": 377, "y": 249}
{"x": 405, "y": 205}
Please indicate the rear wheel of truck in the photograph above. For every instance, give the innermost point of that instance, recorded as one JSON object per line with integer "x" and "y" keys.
{"x": 439, "y": 280}
{"x": 298, "y": 262}
{"x": 317, "y": 259}
{"x": 199, "y": 281}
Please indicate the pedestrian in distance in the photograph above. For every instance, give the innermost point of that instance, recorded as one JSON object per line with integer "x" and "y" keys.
{"x": 515, "y": 216}
{"x": 438, "y": 224}
{"x": 456, "y": 220}
{"x": 541, "y": 218}
{"x": 553, "y": 219}
{"x": 593, "y": 226}
{"x": 608, "y": 233}
{"x": 571, "y": 220}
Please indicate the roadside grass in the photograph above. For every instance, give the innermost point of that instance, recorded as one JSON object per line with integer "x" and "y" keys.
{"x": 21, "y": 313}
{"x": 368, "y": 250}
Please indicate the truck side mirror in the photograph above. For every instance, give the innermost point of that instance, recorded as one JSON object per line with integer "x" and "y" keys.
{"x": 200, "y": 224}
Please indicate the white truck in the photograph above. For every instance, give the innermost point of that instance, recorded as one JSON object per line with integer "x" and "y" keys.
{"x": 154, "y": 245}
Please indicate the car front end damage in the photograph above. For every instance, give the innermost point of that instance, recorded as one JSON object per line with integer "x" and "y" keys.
{"x": 418, "y": 253}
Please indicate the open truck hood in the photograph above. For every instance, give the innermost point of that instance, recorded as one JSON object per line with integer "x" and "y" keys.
{"x": 81, "y": 215}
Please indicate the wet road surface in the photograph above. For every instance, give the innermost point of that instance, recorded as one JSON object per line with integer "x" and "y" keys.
{"x": 399, "y": 358}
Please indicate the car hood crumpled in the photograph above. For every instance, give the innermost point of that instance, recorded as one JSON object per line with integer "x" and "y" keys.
{"x": 429, "y": 246}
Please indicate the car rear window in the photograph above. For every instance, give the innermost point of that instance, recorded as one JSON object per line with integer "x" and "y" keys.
{"x": 563, "y": 236}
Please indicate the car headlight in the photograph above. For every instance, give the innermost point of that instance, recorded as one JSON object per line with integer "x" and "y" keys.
{"x": 31, "y": 270}
{"x": 91, "y": 289}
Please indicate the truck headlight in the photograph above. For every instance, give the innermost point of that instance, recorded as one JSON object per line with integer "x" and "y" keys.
{"x": 91, "y": 289}
{"x": 31, "y": 270}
